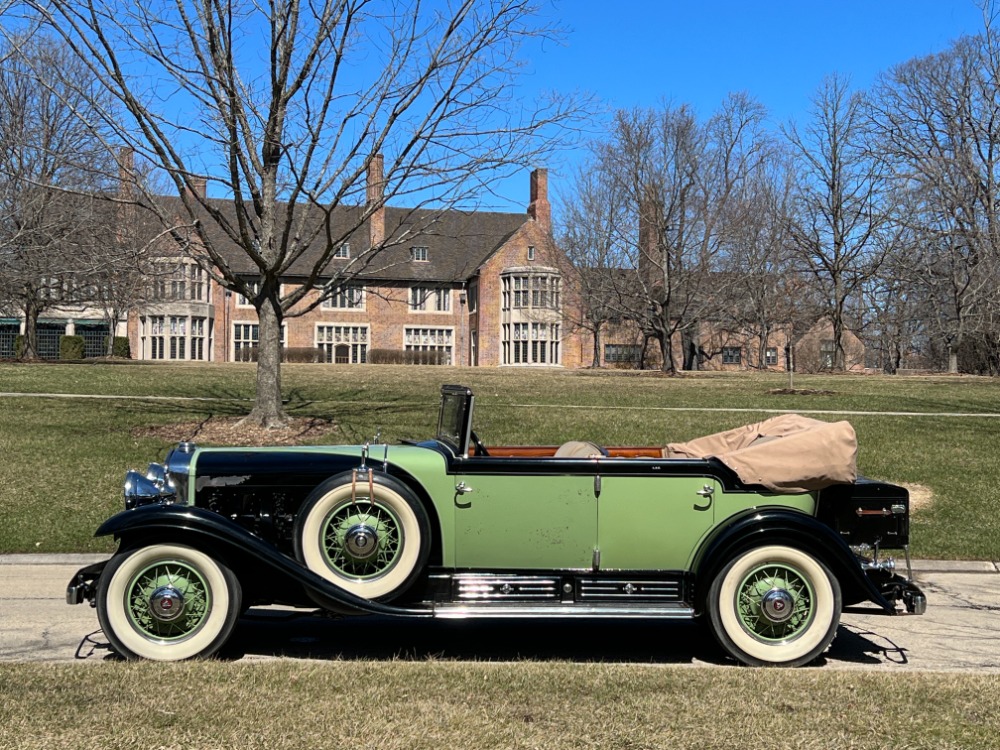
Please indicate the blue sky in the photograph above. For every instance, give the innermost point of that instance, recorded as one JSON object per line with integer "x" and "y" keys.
{"x": 643, "y": 52}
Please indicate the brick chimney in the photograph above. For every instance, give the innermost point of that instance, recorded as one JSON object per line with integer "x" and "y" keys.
{"x": 199, "y": 186}
{"x": 126, "y": 172}
{"x": 650, "y": 250}
{"x": 196, "y": 187}
{"x": 539, "y": 208}
{"x": 374, "y": 196}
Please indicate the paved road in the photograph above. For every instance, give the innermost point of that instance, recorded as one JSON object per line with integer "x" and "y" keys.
{"x": 961, "y": 630}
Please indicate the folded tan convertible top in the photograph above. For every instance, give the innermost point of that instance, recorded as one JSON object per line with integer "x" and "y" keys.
{"x": 785, "y": 454}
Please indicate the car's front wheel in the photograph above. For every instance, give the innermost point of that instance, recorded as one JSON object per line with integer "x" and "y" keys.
{"x": 774, "y": 606}
{"x": 371, "y": 539}
{"x": 167, "y": 602}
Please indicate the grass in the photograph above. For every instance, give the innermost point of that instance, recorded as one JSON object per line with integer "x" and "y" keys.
{"x": 473, "y": 706}
{"x": 64, "y": 459}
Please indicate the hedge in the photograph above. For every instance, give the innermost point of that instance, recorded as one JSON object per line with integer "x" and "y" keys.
{"x": 299, "y": 354}
{"x": 401, "y": 357}
{"x": 71, "y": 347}
{"x": 119, "y": 348}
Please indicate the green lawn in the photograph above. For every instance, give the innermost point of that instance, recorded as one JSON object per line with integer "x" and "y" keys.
{"x": 63, "y": 460}
{"x": 473, "y": 706}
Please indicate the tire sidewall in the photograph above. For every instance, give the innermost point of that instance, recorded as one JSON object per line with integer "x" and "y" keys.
{"x": 804, "y": 647}
{"x": 414, "y": 527}
{"x": 224, "y": 604}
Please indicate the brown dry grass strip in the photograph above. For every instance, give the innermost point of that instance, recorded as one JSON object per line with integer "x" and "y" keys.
{"x": 480, "y": 706}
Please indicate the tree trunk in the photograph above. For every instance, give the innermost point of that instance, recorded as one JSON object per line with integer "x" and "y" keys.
{"x": 29, "y": 348}
{"x": 597, "y": 347}
{"x": 690, "y": 347}
{"x": 667, "y": 352}
{"x": 113, "y": 317}
{"x": 268, "y": 410}
{"x": 952, "y": 360}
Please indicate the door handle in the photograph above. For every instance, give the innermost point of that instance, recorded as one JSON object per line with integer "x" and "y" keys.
{"x": 462, "y": 488}
{"x": 706, "y": 492}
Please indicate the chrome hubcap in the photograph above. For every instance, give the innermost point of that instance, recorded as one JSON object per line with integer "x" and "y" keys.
{"x": 777, "y": 605}
{"x": 166, "y": 604}
{"x": 361, "y": 541}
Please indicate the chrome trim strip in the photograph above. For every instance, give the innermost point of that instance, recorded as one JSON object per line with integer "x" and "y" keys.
{"x": 479, "y": 587}
{"x": 464, "y": 610}
{"x": 628, "y": 589}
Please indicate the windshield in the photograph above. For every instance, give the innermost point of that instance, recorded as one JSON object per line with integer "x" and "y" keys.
{"x": 453, "y": 420}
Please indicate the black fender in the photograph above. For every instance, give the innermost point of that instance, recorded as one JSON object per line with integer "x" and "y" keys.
{"x": 781, "y": 526}
{"x": 215, "y": 534}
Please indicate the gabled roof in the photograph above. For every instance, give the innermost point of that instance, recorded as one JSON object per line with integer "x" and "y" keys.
{"x": 457, "y": 243}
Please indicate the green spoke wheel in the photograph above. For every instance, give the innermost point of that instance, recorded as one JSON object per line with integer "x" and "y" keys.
{"x": 775, "y": 606}
{"x": 362, "y": 539}
{"x": 775, "y": 603}
{"x": 167, "y": 602}
{"x": 372, "y": 540}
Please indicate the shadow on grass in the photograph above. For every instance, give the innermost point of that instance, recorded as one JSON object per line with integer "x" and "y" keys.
{"x": 313, "y": 636}
{"x": 282, "y": 633}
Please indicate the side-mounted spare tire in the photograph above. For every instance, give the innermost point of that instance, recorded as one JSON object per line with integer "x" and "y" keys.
{"x": 167, "y": 602}
{"x": 370, "y": 538}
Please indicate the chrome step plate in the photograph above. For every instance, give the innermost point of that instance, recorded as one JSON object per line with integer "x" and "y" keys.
{"x": 462, "y": 610}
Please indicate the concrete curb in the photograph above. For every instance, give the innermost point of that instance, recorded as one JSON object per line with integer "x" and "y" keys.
{"x": 46, "y": 558}
{"x": 919, "y": 566}
{"x": 951, "y": 566}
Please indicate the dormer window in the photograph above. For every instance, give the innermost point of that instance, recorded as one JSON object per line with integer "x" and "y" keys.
{"x": 344, "y": 251}
{"x": 418, "y": 254}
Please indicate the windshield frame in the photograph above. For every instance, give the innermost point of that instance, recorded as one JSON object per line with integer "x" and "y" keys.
{"x": 455, "y": 419}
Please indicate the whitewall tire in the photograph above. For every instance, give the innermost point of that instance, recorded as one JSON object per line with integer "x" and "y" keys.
{"x": 167, "y": 602}
{"x": 373, "y": 547}
{"x": 775, "y": 606}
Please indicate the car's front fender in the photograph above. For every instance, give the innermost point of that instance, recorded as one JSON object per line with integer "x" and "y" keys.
{"x": 781, "y": 526}
{"x": 215, "y": 534}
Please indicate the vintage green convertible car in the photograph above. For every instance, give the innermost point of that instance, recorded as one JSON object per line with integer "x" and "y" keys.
{"x": 764, "y": 531}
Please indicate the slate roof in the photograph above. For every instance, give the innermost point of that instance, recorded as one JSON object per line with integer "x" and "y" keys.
{"x": 458, "y": 242}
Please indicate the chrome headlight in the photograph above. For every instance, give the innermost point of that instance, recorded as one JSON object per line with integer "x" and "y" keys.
{"x": 143, "y": 490}
{"x": 161, "y": 482}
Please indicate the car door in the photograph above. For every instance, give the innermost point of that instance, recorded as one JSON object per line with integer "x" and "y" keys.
{"x": 653, "y": 522}
{"x": 525, "y": 521}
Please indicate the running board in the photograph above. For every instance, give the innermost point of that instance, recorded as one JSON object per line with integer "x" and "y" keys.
{"x": 463, "y": 610}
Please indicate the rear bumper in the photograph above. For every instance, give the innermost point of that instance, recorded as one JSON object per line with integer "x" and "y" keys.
{"x": 899, "y": 589}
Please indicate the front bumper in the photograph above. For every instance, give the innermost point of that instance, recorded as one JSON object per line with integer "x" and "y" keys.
{"x": 83, "y": 586}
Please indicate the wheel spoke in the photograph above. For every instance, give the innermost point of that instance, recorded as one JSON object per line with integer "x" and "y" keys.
{"x": 185, "y": 583}
{"x": 366, "y": 518}
{"x": 774, "y": 602}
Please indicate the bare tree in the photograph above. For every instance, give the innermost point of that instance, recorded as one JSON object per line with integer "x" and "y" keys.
{"x": 838, "y": 209}
{"x": 938, "y": 119}
{"x": 677, "y": 177}
{"x": 53, "y": 183}
{"x": 285, "y": 105}
{"x": 593, "y": 214}
{"x": 764, "y": 298}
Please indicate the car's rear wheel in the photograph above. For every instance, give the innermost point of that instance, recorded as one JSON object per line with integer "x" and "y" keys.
{"x": 775, "y": 606}
{"x": 167, "y": 602}
{"x": 370, "y": 539}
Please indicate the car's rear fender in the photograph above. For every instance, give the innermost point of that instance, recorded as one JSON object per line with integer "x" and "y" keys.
{"x": 253, "y": 559}
{"x": 765, "y": 526}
